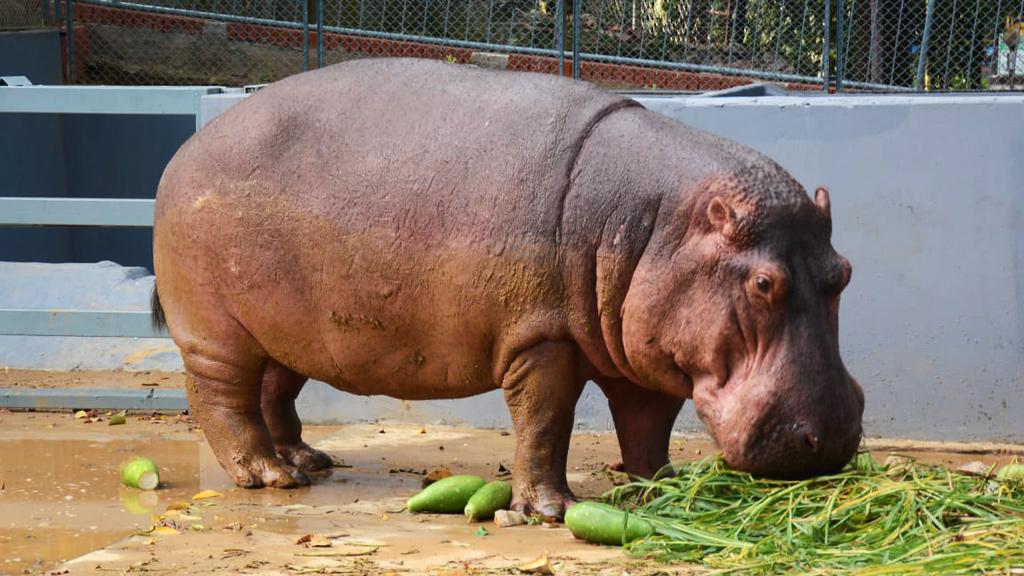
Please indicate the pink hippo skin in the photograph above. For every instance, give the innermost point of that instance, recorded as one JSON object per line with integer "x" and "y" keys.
{"x": 425, "y": 230}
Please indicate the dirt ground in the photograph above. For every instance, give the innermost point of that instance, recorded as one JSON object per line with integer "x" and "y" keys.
{"x": 63, "y": 510}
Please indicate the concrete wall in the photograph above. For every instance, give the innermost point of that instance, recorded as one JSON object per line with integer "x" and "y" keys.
{"x": 927, "y": 201}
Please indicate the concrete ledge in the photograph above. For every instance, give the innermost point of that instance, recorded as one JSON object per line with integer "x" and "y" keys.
{"x": 92, "y": 398}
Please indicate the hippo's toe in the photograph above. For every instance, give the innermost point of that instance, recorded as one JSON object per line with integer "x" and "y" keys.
{"x": 305, "y": 457}
{"x": 548, "y": 502}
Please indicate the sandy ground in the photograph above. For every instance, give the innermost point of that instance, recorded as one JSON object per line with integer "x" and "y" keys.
{"x": 63, "y": 510}
{"x": 61, "y": 501}
{"x": 13, "y": 378}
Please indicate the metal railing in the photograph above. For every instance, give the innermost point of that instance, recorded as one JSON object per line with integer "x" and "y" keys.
{"x": 887, "y": 45}
{"x": 105, "y": 212}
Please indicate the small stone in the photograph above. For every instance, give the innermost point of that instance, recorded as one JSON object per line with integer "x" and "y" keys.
{"x": 894, "y": 460}
{"x": 508, "y": 518}
{"x": 975, "y": 468}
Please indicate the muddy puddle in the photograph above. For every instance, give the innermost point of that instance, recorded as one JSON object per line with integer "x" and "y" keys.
{"x": 62, "y": 506}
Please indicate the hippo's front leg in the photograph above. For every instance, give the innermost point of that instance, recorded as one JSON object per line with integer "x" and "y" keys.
{"x": 541, "y": 388}
{"x": 643, "y": 424}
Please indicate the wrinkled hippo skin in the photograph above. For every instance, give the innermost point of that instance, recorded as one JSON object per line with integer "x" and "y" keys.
{"x": 426, "y": 230}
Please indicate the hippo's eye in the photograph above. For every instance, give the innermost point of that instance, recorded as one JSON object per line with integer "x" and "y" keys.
{"x": 764, "y": 284}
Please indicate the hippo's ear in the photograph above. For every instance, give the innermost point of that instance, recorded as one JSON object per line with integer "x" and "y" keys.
{"x": 722, "y": 216}
{"x": 822, "y": 201}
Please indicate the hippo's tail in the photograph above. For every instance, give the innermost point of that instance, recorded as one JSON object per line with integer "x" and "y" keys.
{"x": 159, "y": 320}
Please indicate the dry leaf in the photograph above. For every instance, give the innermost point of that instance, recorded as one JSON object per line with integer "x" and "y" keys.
{"x": 539, "y": 566}
{"x": 319, "y": 542}
{"x": 338, "y": 552}
{"x": 304, "y": 539}
{"x": 207, "y": 494}
{"x": 164, "y": 531}
{"x": 177, "y": 506}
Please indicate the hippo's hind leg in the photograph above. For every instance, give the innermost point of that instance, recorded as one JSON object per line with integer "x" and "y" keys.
{"x": 224, "y": 377}
{"x": 281, "y": 386}
{"x": 541, "y": 388}
{"x": 643, "y": 424}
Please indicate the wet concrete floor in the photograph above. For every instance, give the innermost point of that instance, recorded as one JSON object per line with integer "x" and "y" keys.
{"x": 63, "y": 510}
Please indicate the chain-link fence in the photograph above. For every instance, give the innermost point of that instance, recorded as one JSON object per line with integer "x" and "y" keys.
{"x": 950, "y": 45}
{"x": 889, "y": 45}
{"x": 26, "y": 14}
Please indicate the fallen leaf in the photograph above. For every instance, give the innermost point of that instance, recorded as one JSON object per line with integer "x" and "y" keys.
{"x": 338, "y": 552}
{"x": 539, "y": 566}
{"x": 423, "y": 430}
{"x": 164, "y": 531}
{"x": 177, "y": 506}
{"x": 233, "y": 552}
{"x": 207, "y": 494}
{"x": 435, "y": 475}
{"x": 304, "y": 539}
{"x": 81, "y": 414}
{"x": 319, "y": 542}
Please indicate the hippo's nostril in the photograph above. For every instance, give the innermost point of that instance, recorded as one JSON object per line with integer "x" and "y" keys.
{"x": 811, "y": 440}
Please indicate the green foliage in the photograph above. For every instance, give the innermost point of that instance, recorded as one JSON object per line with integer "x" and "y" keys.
{"x": 899, "y": 518}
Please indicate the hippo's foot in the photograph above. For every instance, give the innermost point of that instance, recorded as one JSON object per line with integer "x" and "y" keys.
{"x": 304, "y": 457}
{"x": 643, "y": 423}
{"x": 225, "y": 400}
{"x": 269, "y": 472}
{"x": 545, "y": 500}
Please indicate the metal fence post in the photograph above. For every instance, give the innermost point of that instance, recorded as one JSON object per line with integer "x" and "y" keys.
{"x": 826, "y": 33}
{"x": 305, "y": 35}
{"x": 840, "y": 59}
{"x": 70, "y": 39}
{"x": 560, "y": 35}
{"x": 577, "y": 5}
{"x": 922, "y": 55}
{"x": 319, "y": 33}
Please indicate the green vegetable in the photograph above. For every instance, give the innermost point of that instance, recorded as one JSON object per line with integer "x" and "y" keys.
{"x": 140, "y": 473}
{"x": 604, "y": 524}
{"x": 486, "y": 501}
{"x": 865, "y": 463}
{"x": 116, "y": 419}
{"x": 448, "y": 495}
{"x": 906, "y": 519}
{"x": 1014, "y": 471}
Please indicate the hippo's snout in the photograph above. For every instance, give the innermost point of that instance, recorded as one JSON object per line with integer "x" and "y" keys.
{"x": 799, "y": 450}
{"x": 789, "y": 436}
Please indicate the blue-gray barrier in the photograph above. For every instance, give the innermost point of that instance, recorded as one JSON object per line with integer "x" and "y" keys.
{"x": 86, "y": 398}
{"x": 104, "y": 212}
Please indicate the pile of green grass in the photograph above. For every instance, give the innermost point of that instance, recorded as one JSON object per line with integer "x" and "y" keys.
{"x": 904, "y": 518}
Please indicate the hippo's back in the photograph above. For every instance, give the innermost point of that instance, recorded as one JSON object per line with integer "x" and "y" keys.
{"x": 378, "y": 138}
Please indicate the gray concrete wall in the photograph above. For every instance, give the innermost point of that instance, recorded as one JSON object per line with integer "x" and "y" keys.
{"x": 927, "y": 201}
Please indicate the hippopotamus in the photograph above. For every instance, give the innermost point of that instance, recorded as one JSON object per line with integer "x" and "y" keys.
{"x": 426, "y": 230}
